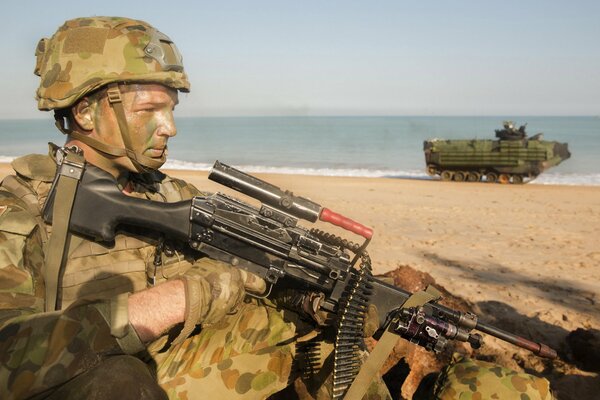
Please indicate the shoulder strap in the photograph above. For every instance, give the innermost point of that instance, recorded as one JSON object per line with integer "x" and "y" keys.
{"x": 67, "y": 179}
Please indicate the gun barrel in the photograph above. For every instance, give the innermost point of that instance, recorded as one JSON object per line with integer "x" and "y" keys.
{"x": 265, "y": 192}
{"x": 539, "y": 349}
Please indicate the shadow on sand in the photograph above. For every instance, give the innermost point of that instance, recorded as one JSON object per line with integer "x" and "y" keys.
{"x": 565, "y": 293}
{"x": 573, "y": 375}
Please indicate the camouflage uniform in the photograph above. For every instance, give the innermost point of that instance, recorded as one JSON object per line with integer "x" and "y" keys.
{"x": 467, "y": 379}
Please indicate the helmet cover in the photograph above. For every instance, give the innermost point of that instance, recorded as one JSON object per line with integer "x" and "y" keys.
{"x": 86, "y": 54}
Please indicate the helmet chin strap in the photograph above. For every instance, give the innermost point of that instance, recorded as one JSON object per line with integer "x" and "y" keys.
{"x": 140, "y": 162}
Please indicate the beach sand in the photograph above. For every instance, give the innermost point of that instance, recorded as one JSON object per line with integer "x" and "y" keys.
{"x": 529, "y": 254}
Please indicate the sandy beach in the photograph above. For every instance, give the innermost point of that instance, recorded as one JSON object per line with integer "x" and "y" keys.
{"x": 529, "y": 253}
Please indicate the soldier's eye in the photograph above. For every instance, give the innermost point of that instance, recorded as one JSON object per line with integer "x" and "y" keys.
{"x": 145, "y": 109}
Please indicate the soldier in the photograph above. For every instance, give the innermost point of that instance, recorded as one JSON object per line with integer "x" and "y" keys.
{"x": 141, "y": 317}
{"x": 509, "y": 126}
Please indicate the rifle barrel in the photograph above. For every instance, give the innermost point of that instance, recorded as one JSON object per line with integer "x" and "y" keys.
{"x": 539, "y": 349}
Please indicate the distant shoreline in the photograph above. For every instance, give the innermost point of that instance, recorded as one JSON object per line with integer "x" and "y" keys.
{"x": 176, "y": 167}
{"x": 48, "y": 117}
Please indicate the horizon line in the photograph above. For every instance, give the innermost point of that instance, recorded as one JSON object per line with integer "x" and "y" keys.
{"x": 43, "y": 117}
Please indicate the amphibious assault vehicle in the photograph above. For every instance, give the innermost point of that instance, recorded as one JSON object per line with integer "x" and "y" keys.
{"x": 513, "y": 158}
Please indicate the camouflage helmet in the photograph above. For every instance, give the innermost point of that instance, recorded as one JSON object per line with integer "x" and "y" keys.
{"x": 86, "y": 54}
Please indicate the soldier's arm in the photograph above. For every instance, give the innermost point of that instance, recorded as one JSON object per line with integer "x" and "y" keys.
{"x": 154, "y": 311}
{"x": 40, "y": 350}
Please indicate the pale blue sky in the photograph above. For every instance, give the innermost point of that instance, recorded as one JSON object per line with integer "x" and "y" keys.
{"x": 346, "y": 57}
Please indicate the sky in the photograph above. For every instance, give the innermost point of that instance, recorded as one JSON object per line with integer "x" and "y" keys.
{"x": 307, "y": 57}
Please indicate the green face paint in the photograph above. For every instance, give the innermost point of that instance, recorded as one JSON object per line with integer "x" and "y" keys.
{"x": 151, "y": 123}
{"x": 148, "y": 112}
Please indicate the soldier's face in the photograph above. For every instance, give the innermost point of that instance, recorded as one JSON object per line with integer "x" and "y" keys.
{"x": 149, "y": 112}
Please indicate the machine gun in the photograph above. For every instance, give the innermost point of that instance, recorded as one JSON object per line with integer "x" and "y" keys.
{"x": 269, "y": 242}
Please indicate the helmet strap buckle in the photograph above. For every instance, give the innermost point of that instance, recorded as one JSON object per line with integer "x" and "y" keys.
{"x": 114, "y": 94}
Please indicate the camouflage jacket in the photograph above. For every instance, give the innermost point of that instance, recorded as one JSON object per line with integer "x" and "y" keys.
{"x": 41, "y": 350}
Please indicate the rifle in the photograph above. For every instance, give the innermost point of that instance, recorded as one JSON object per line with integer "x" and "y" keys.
{"x": 269, "y": 242}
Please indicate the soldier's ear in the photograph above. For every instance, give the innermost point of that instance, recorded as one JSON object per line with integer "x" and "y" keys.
{"x": 83, "y": 114}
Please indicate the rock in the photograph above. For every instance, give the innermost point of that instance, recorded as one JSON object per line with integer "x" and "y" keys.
{"x": 412, "y": 280}
{"x": 585, "y": 348}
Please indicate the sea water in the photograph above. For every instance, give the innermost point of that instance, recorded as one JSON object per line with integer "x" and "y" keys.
{"x": 336, "y": 146}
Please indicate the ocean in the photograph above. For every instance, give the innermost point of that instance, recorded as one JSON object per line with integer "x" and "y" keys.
{"x": 335, "y": 146}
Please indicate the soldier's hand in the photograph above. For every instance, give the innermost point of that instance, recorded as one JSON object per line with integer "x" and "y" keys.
{"x": 214, "y": 289}
{"x": 223, "y": 288}
{"x": 253, "y": 283}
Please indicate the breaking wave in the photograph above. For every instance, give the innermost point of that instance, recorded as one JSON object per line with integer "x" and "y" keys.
{"x": 547, "y": 178}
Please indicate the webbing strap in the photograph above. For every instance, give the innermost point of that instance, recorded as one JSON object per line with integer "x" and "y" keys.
{"x": 384, "y": 347}
{"x": 98, "y": 145}
{"x": 66, "y": 188}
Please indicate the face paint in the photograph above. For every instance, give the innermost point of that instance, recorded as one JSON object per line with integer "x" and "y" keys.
{"x": 152, "y": 121}
{"x": 149, "y": 114}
